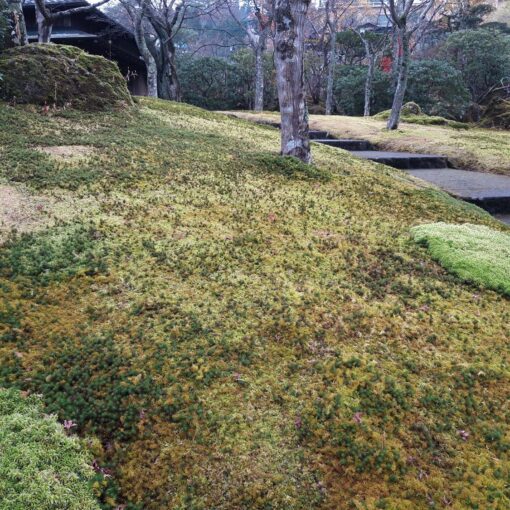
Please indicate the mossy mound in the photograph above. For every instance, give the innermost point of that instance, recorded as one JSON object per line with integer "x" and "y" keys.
{"x": 40, "y": 465}
{"x": 411, "y": 108}
{"x": 497, "y": 112}
{"x": 239, "y": 330}
{"x": 413, "y": 114}
{"x": 61, "y": 75}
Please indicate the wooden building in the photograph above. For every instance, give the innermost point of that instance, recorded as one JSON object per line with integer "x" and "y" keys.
{"x": 97, "y": 34}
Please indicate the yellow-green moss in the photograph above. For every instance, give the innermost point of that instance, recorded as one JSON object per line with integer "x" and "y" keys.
{"x": 259, "y": 335}
{"x": 53, "y": 74}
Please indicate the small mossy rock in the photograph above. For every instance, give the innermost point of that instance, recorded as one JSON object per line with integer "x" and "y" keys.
{"x": 411, "y": 108}
{"x": 497, "y": 112}
{"x": 61, "y": 75}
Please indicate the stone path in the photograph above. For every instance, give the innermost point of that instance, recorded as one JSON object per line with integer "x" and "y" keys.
{"x": 489, "y": 191}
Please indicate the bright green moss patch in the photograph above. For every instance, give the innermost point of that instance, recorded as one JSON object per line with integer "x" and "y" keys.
{"x": 41, "y": 467}
{"x": 475, "y": 253}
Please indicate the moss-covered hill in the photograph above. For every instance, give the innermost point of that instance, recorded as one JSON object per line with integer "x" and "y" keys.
{"x": 486, "y": 150}
{"x": 240, "y": 331}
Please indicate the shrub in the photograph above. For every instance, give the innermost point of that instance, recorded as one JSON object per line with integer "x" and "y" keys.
{"x": 475, "y": 253}
{"x": 349, "y": 90}
{"x": 40, "y": 466}
{"x": 438, "y": 88}
{"x": 61, "y": 75}
{"x": 220, "y": 84}
{"x": 482, "y": 57}
{"x": 4, "y": 25}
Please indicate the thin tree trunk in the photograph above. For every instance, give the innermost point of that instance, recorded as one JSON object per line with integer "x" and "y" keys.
{"x": 44, "y": 26}
{"x": 289, "y": 49}
{"x": 259, "y": 77}
{"x": 331, "y": 74}
{"x": 17, "y": 24}
{"x": 400, "y": 90}
{"x": 369, "y": 79}
{"x": 150, "y": 62}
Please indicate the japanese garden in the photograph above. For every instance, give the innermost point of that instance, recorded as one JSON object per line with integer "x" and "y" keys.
{"x": 254, "y": 254}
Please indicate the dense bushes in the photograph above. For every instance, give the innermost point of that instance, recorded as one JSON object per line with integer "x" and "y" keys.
{"x": 217, "y": 83}
{"x": 41, "y": 467}
{"x": 349, "y": 90}
{"x": 4, "y": 27}
{"x": 482, "y": 56}
{"x": 438, "y": 88}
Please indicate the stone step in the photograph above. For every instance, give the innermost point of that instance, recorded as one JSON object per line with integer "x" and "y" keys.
{"x": 318, "y": 135}
{"x": 404, "y": 160}
{"x": 349, "y": 145}
{"x": 488, "y": 191}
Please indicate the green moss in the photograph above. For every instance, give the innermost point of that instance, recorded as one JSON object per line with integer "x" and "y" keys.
{"x": 40, "y": 465}
{"x": 243, "y": 331}
{"x": 55, "y": 255}
{"x": 475, "y": 253}
{"x": 422, "y": 119}
{"x": 50, "y": 74}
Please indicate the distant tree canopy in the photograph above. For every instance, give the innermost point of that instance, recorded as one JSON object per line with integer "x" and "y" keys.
{"x": 438, "y": 88}
{"x": 482, "y": 56}
{"x": 218, "y": 83}
{"x": 4, "y": 25}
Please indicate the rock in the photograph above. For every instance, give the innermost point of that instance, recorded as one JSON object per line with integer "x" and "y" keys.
{"x": 52, "y": 74}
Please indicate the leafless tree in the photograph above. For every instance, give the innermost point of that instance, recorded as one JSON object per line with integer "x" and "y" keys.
{"x": 137, "y": 16}
{"x": 289, "y": 49}
{"x": 47, "y": 17}
{"x": 257, "y": 26}
{"x": 334, "y": 12}
{"x": 374, "y": 44}
{"x": 407, "y": 17}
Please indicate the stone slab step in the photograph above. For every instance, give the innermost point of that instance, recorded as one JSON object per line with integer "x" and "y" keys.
{"x": 317, "y": 135}
{"x": 404, "y": 160}
{"x": 349, "y": 145}
{"x": 489, "y": 191}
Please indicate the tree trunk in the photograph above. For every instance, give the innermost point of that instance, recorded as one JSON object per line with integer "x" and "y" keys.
{"x": 289, "y": 49}
{"x": 150, "y": 62}
{"x": 44, "y": 26}
{"x": 331, "y": 74}
{"x": 400, "y": 90}
{"x": 370, "y": 78}
{"x": 168, "y": 84}
{"x": 259, "y": 76}
{"x": 17, "y": 23}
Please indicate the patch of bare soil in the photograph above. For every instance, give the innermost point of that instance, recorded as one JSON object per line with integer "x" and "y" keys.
{"x": 20, "y": 210}
{"x": 68, "y": 152}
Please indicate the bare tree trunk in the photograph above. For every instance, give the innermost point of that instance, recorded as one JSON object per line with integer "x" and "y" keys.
{"x": 150, "y": 62}
{"x": 44, "y": 26}
{"x": 289, "y": 49}
{"x": 331, "y": 74}
{"x": 168, "y": 84}
{"x": 370, "y": 77}
{"x": 17, "y": 23}
{"x": 259, "y": 77}
{"x": 400, "y": 90}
